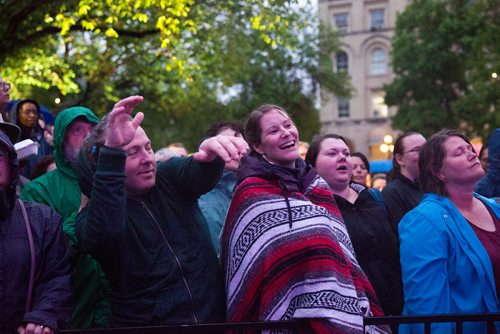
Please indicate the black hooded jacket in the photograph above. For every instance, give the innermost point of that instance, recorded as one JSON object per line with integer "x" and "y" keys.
{"x": 52, "y": 297}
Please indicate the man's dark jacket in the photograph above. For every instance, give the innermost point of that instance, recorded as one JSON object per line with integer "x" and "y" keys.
{"x": 156, "y": 251}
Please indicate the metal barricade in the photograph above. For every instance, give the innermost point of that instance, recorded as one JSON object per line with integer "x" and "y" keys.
{"x": 216, "y": 328}
{"x": 428, "y": 320}
{"x": 295, "y": 325}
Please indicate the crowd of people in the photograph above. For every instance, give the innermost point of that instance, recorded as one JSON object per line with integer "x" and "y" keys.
{"x": 247, "y": 228}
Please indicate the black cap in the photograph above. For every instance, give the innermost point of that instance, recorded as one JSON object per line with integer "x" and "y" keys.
{"x": 11, "y": 130}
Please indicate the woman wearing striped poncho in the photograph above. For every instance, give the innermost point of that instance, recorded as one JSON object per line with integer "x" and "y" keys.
{"x": 285, "y": 250}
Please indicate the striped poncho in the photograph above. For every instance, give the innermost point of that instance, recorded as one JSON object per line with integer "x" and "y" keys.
{"x": 287, "y": 254}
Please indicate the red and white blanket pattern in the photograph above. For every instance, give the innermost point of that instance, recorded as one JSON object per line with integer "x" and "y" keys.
{"x": 288, "y": 255}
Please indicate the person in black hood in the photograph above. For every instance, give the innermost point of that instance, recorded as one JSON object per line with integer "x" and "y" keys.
{"x": 35, "y": 268}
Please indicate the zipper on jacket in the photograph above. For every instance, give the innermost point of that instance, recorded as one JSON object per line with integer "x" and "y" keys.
{"x": 176, "y": 260}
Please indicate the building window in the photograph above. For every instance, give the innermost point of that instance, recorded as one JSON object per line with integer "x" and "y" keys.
{"x": 378, "y": 62}
{"x": 340, "y": 21}
{"x": 379, "y": 107}
{"x": 342, "y": 61}
{"x": 376, "y": 19}
{"x": 344, "y": 107}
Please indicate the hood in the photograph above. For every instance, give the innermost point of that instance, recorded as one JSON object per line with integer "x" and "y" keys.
{"x": 8, "y": 197}
{"x": 494, "y": 155}
{"x": 290, "y": 179}
{"x": 63, "y": 119}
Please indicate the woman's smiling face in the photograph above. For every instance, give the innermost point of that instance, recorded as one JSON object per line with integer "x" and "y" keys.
{"x": 279, "y": 141}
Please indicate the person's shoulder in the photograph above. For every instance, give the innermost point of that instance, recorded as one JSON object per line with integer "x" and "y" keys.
{"x": 41, "y": 213}
{"x": 45, "y": 181}
{"x": 430, "y": 208}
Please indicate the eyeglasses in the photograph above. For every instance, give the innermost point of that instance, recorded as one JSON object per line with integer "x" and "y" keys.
{"x": 413, "y": 150}
{"x": 5, "y": 86}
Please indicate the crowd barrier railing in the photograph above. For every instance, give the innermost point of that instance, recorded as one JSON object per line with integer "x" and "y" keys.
{"x": 294, "y": 325}
{"x": 215, "y": 328}
{"x": 428, "y": 320}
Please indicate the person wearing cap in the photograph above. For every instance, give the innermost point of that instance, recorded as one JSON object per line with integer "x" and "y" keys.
{"x": 35, "y": 269}
{"x": 59, "y": 189}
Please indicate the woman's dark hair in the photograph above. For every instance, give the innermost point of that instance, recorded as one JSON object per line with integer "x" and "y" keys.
{"x": 23, "y": 102}
{"x": 363, "y": 158}
{"x": 219, "y": 126}
{"x": 313, "y": 151}
{"x": 253, "y": 132}
{"x": 399, "y": 148}
{"x": 431, "y": 161}
{"x": 484, "y": 147}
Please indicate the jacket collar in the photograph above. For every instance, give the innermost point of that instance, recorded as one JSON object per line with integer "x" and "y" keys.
{"x": 290, "y": 179}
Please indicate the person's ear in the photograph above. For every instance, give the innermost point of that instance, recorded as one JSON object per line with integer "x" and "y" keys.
{"x": 258, "y": 148}
{"x": 399, "y": 159}
{"x": 440, "y": 174}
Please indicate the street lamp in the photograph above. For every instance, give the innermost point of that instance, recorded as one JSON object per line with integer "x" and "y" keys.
{"x": 387, "y": 146}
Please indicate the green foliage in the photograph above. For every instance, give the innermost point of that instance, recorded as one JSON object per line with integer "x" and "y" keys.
{"x": 444, "y": 52}
{"x": 221, "y": 60}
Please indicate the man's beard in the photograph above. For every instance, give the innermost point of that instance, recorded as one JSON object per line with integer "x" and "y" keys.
{"x": 71, "y": 154}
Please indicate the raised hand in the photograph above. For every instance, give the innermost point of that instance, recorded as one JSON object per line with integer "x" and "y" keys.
{"x": 32, "y": 328}
{"x": 227, "y": 147}
{"x": 121, "y": 126}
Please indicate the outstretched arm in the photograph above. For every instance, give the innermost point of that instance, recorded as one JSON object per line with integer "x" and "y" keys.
{"x": 226, "y": 147}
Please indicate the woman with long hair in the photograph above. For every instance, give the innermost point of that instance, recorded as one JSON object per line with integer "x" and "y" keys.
{"x": 450, "y": 241}
{"x": 285, "y": 250}
{"x": 403, "y": 193}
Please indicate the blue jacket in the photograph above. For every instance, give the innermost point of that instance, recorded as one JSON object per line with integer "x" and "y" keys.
{"x": 489, "y": 185}
{"x": 445, "y": 267}
{"x": 215, "y": 204}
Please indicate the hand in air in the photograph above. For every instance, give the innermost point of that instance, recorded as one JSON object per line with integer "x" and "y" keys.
{"x": 32, "y": 328}
{"x": 121, "y": 126}
{"x": 227, "y": 147}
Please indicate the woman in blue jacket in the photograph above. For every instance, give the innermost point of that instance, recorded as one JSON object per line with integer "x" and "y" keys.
{"x": 449, "y": 243}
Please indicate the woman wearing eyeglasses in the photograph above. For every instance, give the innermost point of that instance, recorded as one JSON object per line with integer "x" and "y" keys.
{"x": 4, "y": 99}
{"x": 403, "y": 193}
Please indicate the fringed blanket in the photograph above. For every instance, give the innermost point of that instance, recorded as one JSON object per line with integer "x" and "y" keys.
{"x": 288, "y": 255}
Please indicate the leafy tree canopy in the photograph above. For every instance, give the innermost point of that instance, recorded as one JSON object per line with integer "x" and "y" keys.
{"x": 444, "y": 55}
{"x": 196, "y": 62}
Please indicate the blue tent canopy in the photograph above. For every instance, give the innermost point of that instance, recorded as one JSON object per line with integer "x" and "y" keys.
{"x": 380, "y": 166}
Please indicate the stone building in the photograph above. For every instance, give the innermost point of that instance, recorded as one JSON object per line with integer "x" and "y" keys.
{"x": 367, "y": 27}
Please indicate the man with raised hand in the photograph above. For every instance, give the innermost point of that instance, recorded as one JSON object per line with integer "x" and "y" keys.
{"x": 143, "y": 223}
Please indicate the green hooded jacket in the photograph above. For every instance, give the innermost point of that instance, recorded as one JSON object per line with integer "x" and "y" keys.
{"x": 59, "y": 189}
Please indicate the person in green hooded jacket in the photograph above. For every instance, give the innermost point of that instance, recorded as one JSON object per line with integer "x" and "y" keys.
{"x": 59, "y": 189}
